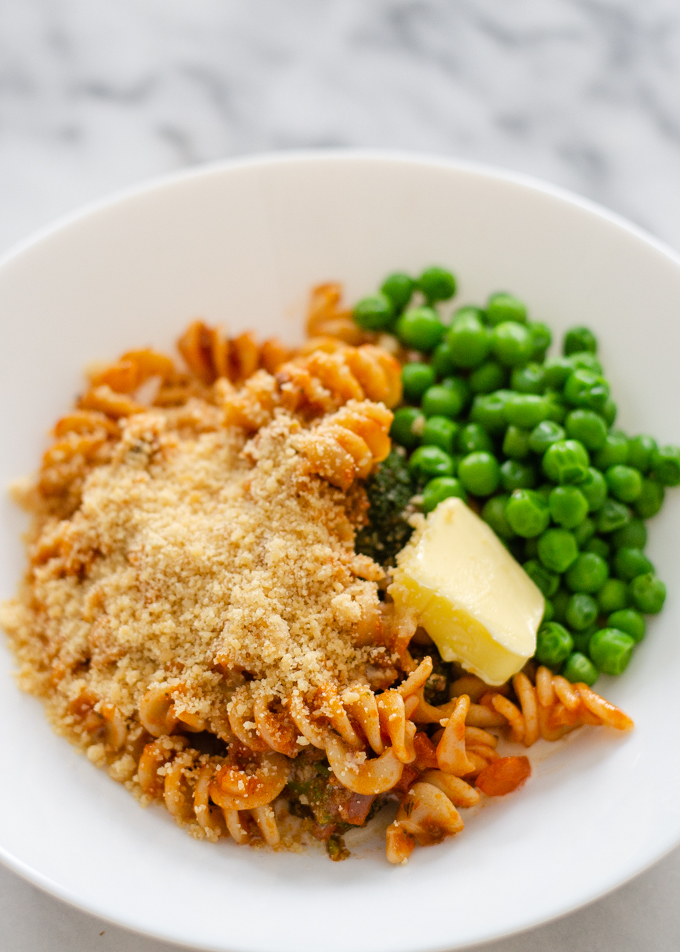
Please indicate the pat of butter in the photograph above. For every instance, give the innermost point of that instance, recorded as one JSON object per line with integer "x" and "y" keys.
{"x": 472, "y": 598}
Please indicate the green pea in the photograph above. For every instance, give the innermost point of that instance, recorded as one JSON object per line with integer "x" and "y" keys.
{"x": 374, "y": 313}
{"x": 548, "y": 611}
{"x": 529, "y": 379}
{"x": 527, "y": 512}
{"x": 440, "y": 401}
{"x": 612, "y": 596}
{"x": 557, "y": 371}
{"x": 613, "y": 515}
{"x": 568, "y": 506}
{"x": 441, "y": 360}
{"x": 579, "y": 338}
{"x": 516, "y": 442}
{"x": 579, "y": 669}
{"x": 557, "y": 549}
{"x": 594, "y": 488}
{"x": 557, "y": 409}
{"x": 488, "y": 409}
{"x": 542, "y": 339}
{"x": 631, "y": 536}
{"x": 487, "y": 377}
{"x": 545, "y": 489}
{"x": 582, "y": 610}
{"x": 585, "y": 361}
{"x": 437, "y": 284}
{"x": 648, "y": 593}
{"x": 546, "y": 582}
{"x": 609, "y": 411}
{"x": 666, "y": 465}
{"x": 473, "y": 438}
{"x": 586, "y": 389}
{"x": 504, "y": 307}
{"x": 517, "y": 475}
{"x": 526, "y": 410}
{"x": 640, "y": 452}
{"x": 544, "y": 435}
{"x": 512, "y": 343}
{"x": 420, "y": 328}
{"x": 429, "y": 461}
{"x": 598, "y": 546}
{"x": 611, "y": 650}
{"x": 584, "y": 531}
{"x": 459, "y": 387}
{"x": 530, "y": 549}
{"x": 478, "y": 312}
{"x": 630, "y": 562}
{"x": 399, "y": 288}
{"x": 566, "y": 462}
{"x": 493, "y": 514}
{"x": 624, "y": 482}
{"x": 440, "y": 488}
{"x": 407, "y": 427}
{"x": 582, "y": 638}
{"x": 560, "y": 601}
{"x": 588, "y": 573}
{"x": 440, "y": 431}
{"x": 614, "y": 452}
{"x": 479, "y": 473}
{"x": 468, "y": 339}
{"x": 629, "y": 621}
{"x": 416, "y": 379}
{"x": 588, "y": 427}
{"x": 553, "y": 644}
{"x": 650, "y": 500}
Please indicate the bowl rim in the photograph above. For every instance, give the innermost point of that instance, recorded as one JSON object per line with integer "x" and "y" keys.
{"x": 347, "y": 156}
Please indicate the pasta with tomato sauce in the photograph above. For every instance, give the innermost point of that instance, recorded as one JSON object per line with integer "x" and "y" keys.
{"x": 197, "y": 619}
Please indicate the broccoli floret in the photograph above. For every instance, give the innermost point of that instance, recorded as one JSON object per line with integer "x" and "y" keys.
{"x": 389, "y": 491}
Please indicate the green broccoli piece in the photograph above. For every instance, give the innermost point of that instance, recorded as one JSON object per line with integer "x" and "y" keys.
{"x": 389, "y": 491}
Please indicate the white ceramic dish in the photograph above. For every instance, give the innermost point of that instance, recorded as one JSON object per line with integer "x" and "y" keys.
{"x": 242, "y": 243}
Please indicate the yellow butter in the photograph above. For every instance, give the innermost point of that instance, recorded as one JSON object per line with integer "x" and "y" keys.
{"x": 474, "y": 600}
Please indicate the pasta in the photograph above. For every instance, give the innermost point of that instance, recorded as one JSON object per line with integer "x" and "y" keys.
{"x": 347, "y": 444}
{"x": 197, "y": 620}
{"x": 314, "y": 384}
{"x": 326, "y": 318}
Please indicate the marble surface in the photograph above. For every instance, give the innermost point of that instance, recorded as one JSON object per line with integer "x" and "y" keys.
{"x": 100, "y": 94}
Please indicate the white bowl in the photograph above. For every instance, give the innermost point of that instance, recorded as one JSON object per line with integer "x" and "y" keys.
{"x": 243, "y": 242}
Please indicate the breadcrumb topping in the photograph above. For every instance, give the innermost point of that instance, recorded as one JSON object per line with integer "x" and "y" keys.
{"x": 197, "y": 559}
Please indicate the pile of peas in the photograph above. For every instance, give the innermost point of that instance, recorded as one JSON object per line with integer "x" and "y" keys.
{"x": 529, "y": 443}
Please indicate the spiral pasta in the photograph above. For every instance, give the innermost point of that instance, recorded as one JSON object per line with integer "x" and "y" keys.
{"x": 198, "y": 789}
{"x": 249, "y": 380}
{"x": 325, "y": 317}
{"x": 467, "y": 754}
{"x": 209, "y": 354}
{"x": 373, "y": 747}
{"x": 198, "y": 621}
{"x": 346, "y": 445}
{"x": 344, "y": 727}
{"x": 220, "y": 794}
{"x": 315, "y": 384}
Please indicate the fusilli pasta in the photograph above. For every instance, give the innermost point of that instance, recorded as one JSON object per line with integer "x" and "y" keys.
{"x": 315, "y": 384}
{"x": 197, "y": 620}
{"x": 325, "y": 317}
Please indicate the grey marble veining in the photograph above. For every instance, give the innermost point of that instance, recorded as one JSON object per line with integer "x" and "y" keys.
{"x": 100, "y": 94}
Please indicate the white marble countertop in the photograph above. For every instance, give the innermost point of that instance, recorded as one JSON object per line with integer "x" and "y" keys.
{"x": 99, "y": 95}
